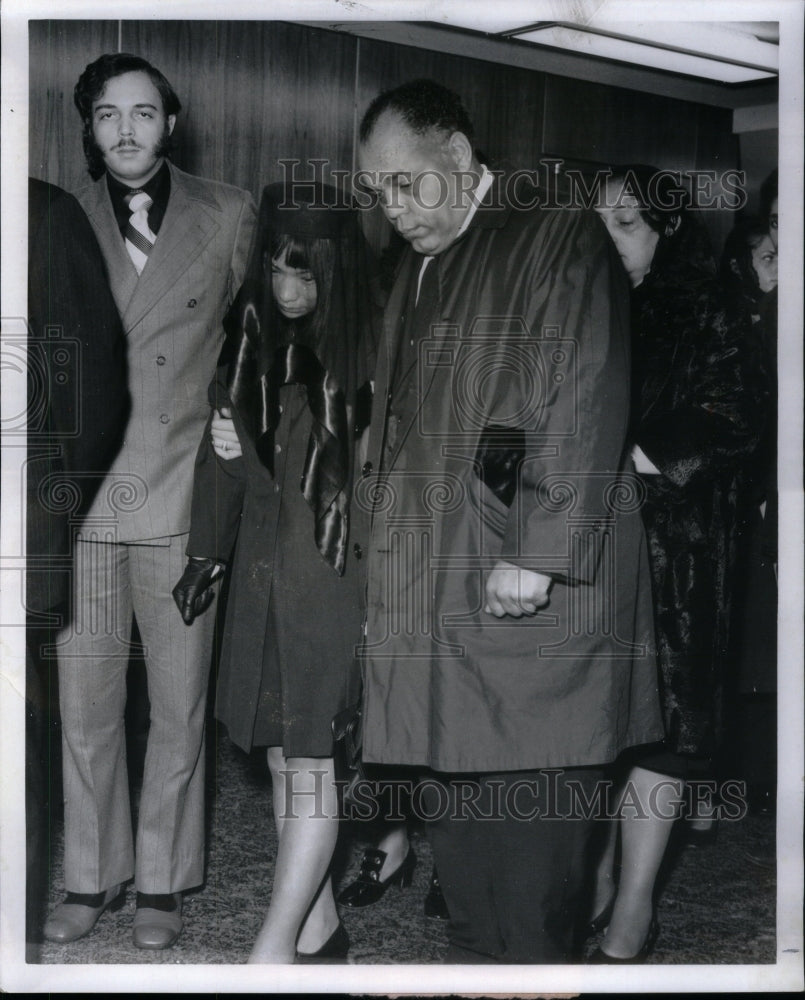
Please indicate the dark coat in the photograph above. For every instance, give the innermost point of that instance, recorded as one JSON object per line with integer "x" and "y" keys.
{"x": 505, "y": 442}
{"x": 77, "y": 395}
{"x": 287, "y": 661}
{"x": 700, "y": 389}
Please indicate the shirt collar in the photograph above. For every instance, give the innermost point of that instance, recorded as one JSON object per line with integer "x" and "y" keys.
{"x": 158, "y": 190}
{"x": 153, "y": 187}
{"x": 484, "y": 184}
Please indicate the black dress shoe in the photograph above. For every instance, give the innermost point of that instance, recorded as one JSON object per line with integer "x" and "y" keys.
{"x": 367, "y": 887}
{"x": 700, "y": 836}
{"x": 334, "y": 948}
{"x": 601, "y": 922}
{"x": 435, "y": 905}
{"x": 157, "y": 920}
{"x": 600, "y": 957}
{"x": 79, "y": 913}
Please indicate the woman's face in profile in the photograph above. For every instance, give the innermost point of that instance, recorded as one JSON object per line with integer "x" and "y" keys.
{"x": 633, "y": 237}
{"x": 764, "y": 262}
{"x": 773, "y": 218}
{"x": 294, "y": 289}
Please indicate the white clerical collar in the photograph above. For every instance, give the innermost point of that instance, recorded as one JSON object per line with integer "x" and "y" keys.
{"x": 477, "y": 197}
{"x": 484, "y": 184}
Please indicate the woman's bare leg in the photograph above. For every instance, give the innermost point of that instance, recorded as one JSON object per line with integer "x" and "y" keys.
{"x": 302, "y": 912}
{"x": 644, "y": 839}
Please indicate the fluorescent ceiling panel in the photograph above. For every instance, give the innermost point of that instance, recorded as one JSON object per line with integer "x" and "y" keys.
{"x": 735, "y": 43}
{"x": 622, "y": 50}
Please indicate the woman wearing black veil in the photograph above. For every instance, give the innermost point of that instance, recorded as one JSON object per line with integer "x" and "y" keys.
{"x": 699, "y": 399}
{"x": 274, "y": 481}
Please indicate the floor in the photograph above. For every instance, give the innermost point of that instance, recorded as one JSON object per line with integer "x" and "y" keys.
{"x": 717, "y": 904}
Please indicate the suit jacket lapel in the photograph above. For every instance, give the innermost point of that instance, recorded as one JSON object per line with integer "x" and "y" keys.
{"x": 187, "y": 228}
{"x": 123, "y": 275}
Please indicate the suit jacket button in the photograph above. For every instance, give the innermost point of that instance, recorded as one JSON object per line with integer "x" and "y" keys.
{"x": 367, "y": 468}
{"x": 357, "y": 550}
{"x": 191, "y": 304}
{"x": 164, "y": 419}
{"x": 161, "y": 360}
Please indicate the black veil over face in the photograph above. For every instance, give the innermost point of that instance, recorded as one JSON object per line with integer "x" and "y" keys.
{"x": 330, "y": 352}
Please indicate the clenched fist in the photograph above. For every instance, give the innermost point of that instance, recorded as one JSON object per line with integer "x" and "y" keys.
{"x": 514, "y": 591}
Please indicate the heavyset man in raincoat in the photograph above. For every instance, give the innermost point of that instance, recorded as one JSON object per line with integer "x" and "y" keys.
{"x": 509, "y": 650}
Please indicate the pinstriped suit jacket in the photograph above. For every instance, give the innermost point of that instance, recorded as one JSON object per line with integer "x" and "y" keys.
{"x": 172, "y": 315}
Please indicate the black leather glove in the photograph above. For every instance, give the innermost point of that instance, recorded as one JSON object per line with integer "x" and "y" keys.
{"x": 193, "y": 593}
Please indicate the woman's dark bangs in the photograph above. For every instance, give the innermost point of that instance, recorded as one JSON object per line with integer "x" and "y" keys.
{"x": 295, "y": 251}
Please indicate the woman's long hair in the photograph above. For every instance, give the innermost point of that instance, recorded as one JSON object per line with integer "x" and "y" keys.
{"x": 330, "y": 351}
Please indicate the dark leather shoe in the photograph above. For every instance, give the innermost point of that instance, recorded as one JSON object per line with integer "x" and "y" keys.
{"x": 79, "y": 913}
{"x": 435, "y": 905}
{"x": 601, "y": 922}
{"x": 367, "y": 887}
{"x": 600, "y": 957}
{"x": 335, "y": 948}
{"x": 156, "y": 928}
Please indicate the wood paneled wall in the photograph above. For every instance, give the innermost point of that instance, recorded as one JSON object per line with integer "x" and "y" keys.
{"x": 256, "y": 92}
{"x": 59, "y": 51}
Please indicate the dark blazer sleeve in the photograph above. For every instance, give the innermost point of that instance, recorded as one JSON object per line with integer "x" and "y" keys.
{"x": 576, "y": 439}
{"x": 77, "y": 383}
{"x": 68, "y": 292}
{"x": 218, "y": 489}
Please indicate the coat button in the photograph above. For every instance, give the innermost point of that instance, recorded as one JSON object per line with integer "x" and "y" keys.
{"x": 164, "y": 419}
{"x": 367, "y": 468}
{"x": 357, "y": 550}
{"x": 278, "y": 448}
{"x": 276, "y": 487}
{"x": 161, "y": 359}
{"x": 191, "y": 304}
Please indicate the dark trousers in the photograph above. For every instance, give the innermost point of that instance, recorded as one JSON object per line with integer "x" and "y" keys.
{"x": 41, "y": 711}
{"x": 511, "y": 857}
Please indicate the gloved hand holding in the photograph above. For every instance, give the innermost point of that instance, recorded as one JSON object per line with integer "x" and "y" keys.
{"x": 193, "y": 593}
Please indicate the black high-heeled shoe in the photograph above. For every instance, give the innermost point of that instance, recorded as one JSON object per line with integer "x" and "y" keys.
{"x": 601, "y": 922}
{"x": 335, "y": 948}
{"x": 435, "y": 905}
{"x": 700, "y": 836}
{"x": 367, "y": 887}
{"x": 600, "y": 957}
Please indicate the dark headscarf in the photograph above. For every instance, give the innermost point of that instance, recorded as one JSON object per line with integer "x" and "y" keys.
{"x": 331, "y": 353}
{"x": 684, "y": 254}
{"x": 737, "y": 270}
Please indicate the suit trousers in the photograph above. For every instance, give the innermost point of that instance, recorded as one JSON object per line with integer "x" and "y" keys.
{"x": 115, "y": 582}
{"x": 511, "y": 852}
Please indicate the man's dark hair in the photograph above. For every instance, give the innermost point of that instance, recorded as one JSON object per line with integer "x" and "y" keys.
{"x": 423, "y": 105}
{"x": 91, "y": 84}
